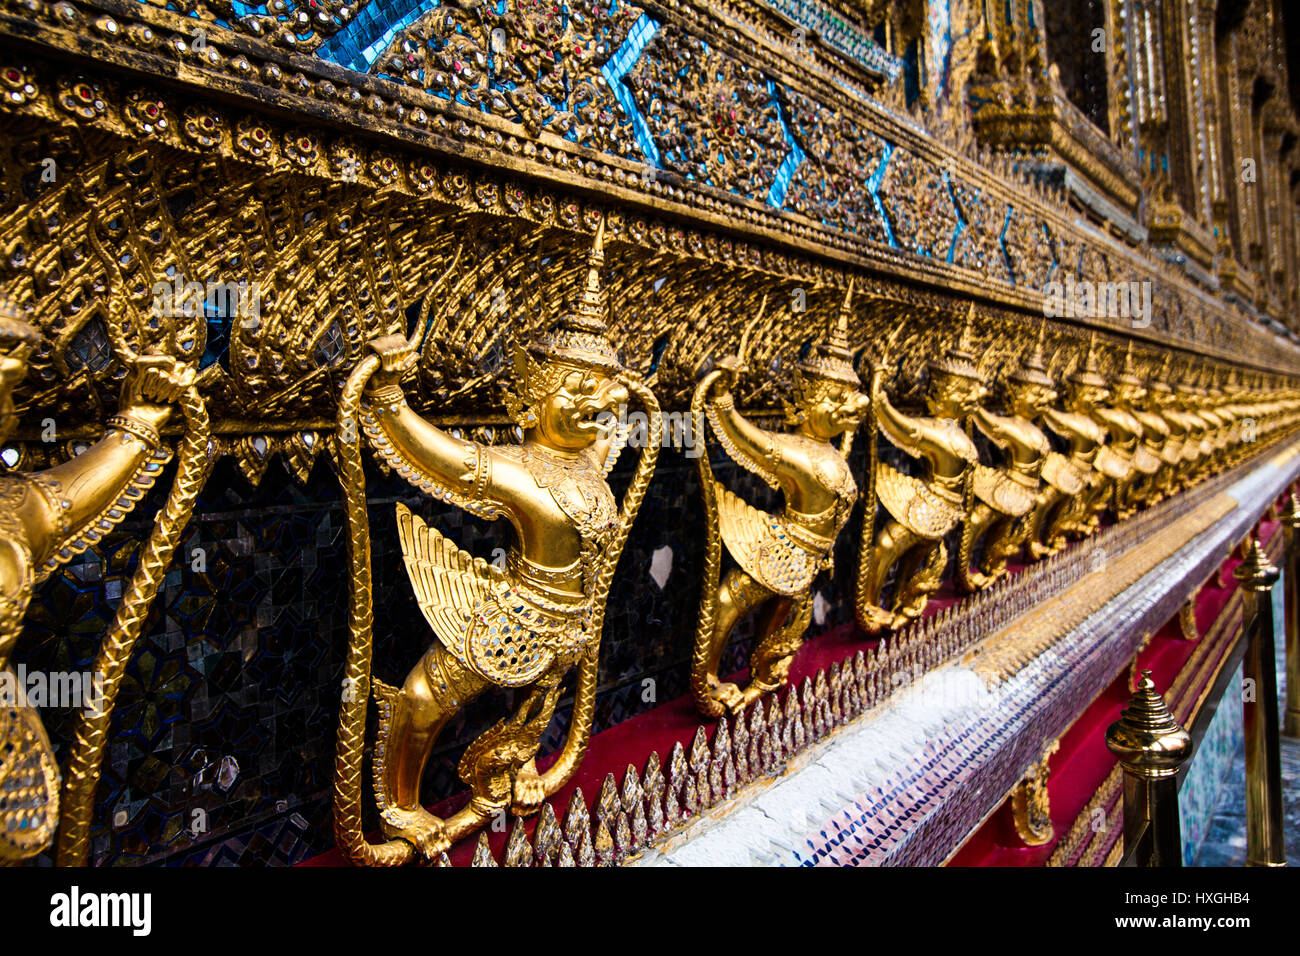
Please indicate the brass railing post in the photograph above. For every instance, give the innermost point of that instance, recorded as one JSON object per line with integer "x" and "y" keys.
{"x": 1151, "y": 746}
{"x": 1291, "y": 594}
{"x": 1264, "y": 842}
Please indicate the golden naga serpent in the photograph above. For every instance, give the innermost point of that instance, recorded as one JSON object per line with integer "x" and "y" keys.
{"x": 712, "y": 558}
{"x": 866, "y": 539}
{"x": 348, "y": 833}
{"x": 91, "y": 736}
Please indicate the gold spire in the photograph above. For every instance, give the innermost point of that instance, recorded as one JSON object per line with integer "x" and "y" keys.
{"x": 1088, "y": 373}
{"x": 960, "y": 361}
{"x": 1157, "y": 382}
{"x": 1187, "y": 381}
{"x": 592, "y": 305}
{"x": 1128, "y": 374}
{"x": 1033, "y": 367}
{"x": 832, "y": 359}
{"x": 1205, "y": 381}
{"x": 1256, "y": 572}
{"x": 839, "y": 337}
{"x": 1147, "y": 738}
{"x": 580, "y": 335}
{"x": 965, "y": 342}
{"x": 1037, "y": 355}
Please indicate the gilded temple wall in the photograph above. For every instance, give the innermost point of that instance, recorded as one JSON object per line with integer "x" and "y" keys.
{"x": 359, "y": 166}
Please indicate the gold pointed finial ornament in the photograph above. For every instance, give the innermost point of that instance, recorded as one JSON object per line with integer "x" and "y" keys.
{"x": 579, "y": 338}
{"x": 1256, "y": 573}
{"x": 1089, "y": 372}
{"x": 960, "y": 360}
{"x": 1151, "y": 747}
{"x": 1128, "y": 373}
{"x": 831, "y": 360}
{"x": 840, "y": 331}
{"x": 1158, "y": 384}
{"x": 1033, "y": 367}
{"x": 1146, "y": 738}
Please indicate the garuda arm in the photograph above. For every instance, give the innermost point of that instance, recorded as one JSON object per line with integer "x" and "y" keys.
{"x": 1080, "y": 430}
{"x": 464, "y": 473}
{"x": 63, "y": 510}
{"x": 68, "y": 507}
{"x": 451, "y": 469}
{"x": 996, "y": 429}
{"x": 903, "y": 430}
{"x": 755, "y": 449}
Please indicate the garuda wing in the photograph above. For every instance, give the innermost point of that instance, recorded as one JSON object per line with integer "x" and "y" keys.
{"x": 1171, "y": 453}
{"x": 913, "y": 505}
{"x": 1112, "y": 464}
{"x": 1146, "y": 461}
{"x": 1062, "y": 474}
{"x": 1001, "y": 493}
{"x": 471, "y": 607}
{"x": 762, "y": 546}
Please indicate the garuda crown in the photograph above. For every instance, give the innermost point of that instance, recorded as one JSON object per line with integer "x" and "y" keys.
{"x": 1089, "y": 372}
{"x": 1128, "y": 374}
{"x": 960, "y": 361}
{"x": 578, "y": 338}
{"x": 1033, "y": 367}
{"x": 830, "y": 360}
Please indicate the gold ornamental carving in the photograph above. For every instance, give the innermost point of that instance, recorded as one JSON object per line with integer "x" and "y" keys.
{"x": 777, "y": 555}
{"x": 917, "y": 511}
{"x": 523, "y": 627}
{"x": 1031, "y": 808}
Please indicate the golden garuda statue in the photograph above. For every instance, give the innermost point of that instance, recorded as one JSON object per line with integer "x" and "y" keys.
{"x": 1239, "y": 413}
{"x": 1125, "y": 445}
{"x": 522, "y": 626}
{"x": 920, "y": 511}
{"x": 1178, "y": 451}
{"x": 1222, "y": 403}
{"x": 1212, "y": 410}
{"x": 1005, "y": 496}
{"x": 1057, "y": 517}
{"x": 778, "y": 555}
{"x": 1198, "y": 447}
{"x": 1088, "y": 394}
{"x": 46, "y": 519}
{"x": 1147, "y": 449}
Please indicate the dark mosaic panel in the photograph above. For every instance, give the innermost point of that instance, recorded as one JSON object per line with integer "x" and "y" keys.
{"x": 223, "y": 736}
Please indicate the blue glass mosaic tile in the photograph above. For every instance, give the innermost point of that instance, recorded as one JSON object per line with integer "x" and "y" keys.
{"x": 785, "y": 172}
{"x": 873, "y": 187}
{"x": 617, "y": 67}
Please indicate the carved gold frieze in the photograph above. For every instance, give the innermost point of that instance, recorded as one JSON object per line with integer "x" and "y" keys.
{"x": 377, "y": 111}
